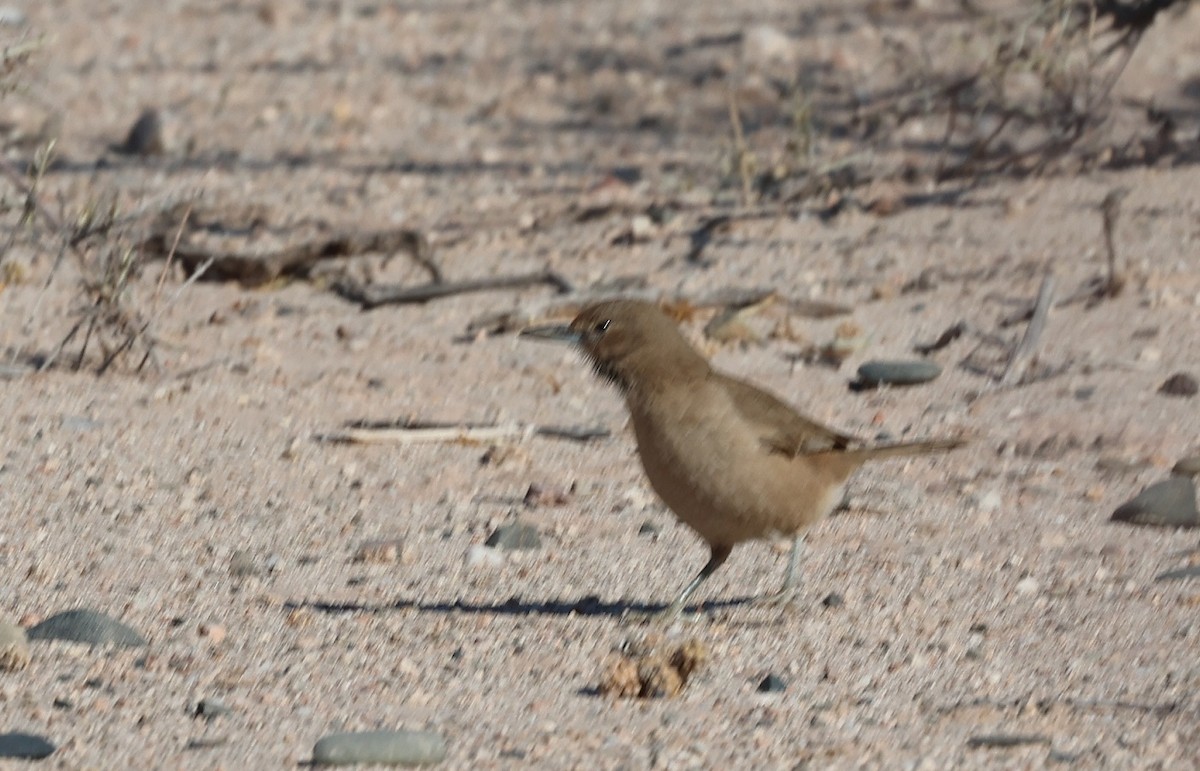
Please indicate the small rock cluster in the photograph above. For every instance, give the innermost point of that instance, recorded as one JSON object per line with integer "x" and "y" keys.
{"x": 652, "y": 673}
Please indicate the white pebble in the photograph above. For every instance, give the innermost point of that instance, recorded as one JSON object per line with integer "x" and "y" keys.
{"x": 483, "y": 556}
{"x": 1027, "y": 585}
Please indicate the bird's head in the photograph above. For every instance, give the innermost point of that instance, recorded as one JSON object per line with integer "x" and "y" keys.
{"x": 629, "y": 342}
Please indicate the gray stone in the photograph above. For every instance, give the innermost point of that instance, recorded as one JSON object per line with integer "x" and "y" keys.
{"x": 1170, "y": 503}
{"x": 772, "y": 684}
{"x": 1004, "y": 741}
{"x": 11, "y": 16}
{"x": 148, "y": 135}
{"x": 1192, "y": 571}
{"x": 13, "y": 371}
{"x": 243, "y": 565}
{"x": 479, "y": 556}
{"x": 515, "y": 535}
{"x": 25, "y": 746}
{"x": 86, "y": 626}
{"x": 912, "y": 372}
{"x": 396, "y": 748}
{"x": 1188, "y": 467}
{"x": 1179, "y": 384}
{"x": 79, "y": 423}
{"x": 212, "y": 708}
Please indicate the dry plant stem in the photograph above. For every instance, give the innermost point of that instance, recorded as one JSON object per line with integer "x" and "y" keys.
{"x": 196, "y": 275}
{"x": 29, "y": 191}
{"x": 1110, "y": 209}
{"x": 1033, "y": 332}
{"x": 465, "y": 433}
{"x": 741, "y": 153}
{"x": 187, "y": 212}
{"x": 11, "y": 55}
{"x": 370, "y": 297}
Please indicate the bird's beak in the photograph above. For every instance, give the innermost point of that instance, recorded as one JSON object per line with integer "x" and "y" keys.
{"x": 557, "y": 332}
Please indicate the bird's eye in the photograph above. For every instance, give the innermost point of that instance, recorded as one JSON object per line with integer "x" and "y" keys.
{"x": 601, "y": 327}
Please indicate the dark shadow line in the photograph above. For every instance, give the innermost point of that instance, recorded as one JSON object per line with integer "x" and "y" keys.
{"x": 590, "y": 606}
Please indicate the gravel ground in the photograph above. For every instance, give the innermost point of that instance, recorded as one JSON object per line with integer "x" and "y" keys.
{"x": 985, "y": 595}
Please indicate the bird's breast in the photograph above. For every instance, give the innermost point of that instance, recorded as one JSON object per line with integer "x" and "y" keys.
{"x": 710, "y": 466}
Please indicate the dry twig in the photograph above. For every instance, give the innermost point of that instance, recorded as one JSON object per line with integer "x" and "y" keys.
{"x": 413, "y": 432}
{"x": 1033, "y": 333}
{"x": 373, "y": 296}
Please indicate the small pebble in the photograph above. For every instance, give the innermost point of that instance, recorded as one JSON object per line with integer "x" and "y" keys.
{"x": 515, "y": 536}
{"x": 1170, "y": 503}
{"x": 772, "y": 683}
{"x": 13, "y": 371}
{"x": 764, "y": 44}
{"x": 215, "y": 633}
{"x": 1001, "y": 741}
{"x": 212, "y": 708}
{"x": 1187, "y": 467}
{"x": 1179, "y": 384}
{"x": 14, "y": 647}
{"x": 483, "y": 556}
{"x": 988, "y": 502}
{"x": 25, "y": 746}
{"x": 641, "y": 228}
{"x": 537, "y": 495}
{"x": 242, "y": 565}
{"x": 79, "y": 423}
{"x": 1192, "y": 571}
{"x": 381, "y": 550}
{"x": 147, "y": 135}
{"x": 1028, "y": 585}
{"x": 880, "y": 372}
{"x": 86, "y": 626}
{"x": 396, "y": 748}
{"x": 11, "y": 16}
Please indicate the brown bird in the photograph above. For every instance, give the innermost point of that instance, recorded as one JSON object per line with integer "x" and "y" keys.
{"x": 732, "y": 461}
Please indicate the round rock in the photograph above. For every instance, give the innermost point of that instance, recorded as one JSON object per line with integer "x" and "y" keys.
{"x": 1179, "y": 384}
{"x": 86, "y": 626}
{"x": 1170, "y": 503}
{"x": 1188, "y": 467}
{"x": 880, "y": 372}
{"x": 394, "y": 748}
{"x": 210, "y": 709}
{"x": 515, "y": 536}
{"x": 25, "y": 746}
{"x": 772, "y": 683}
{"x": 148, "y": 135}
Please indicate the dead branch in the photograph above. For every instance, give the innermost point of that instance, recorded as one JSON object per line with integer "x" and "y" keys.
{"x": 951, "y": 334}
{"x": 296, "y": 260}
{"x": 412, "y": 432}
{"x": 1110, "y": 209}
{"x": 370, "y": 297}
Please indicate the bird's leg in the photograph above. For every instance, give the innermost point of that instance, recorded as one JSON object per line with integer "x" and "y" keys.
{"x": 790, "y": 579}
{"x": 717, "y": 557}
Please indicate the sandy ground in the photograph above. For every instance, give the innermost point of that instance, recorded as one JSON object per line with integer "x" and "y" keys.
{"x": 985, "y": 592}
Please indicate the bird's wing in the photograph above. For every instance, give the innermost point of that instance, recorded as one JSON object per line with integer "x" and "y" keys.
{"x": 782, "y": 429}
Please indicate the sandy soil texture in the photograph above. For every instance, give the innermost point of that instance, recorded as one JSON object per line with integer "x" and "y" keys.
{"x": 317, "y": 587}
